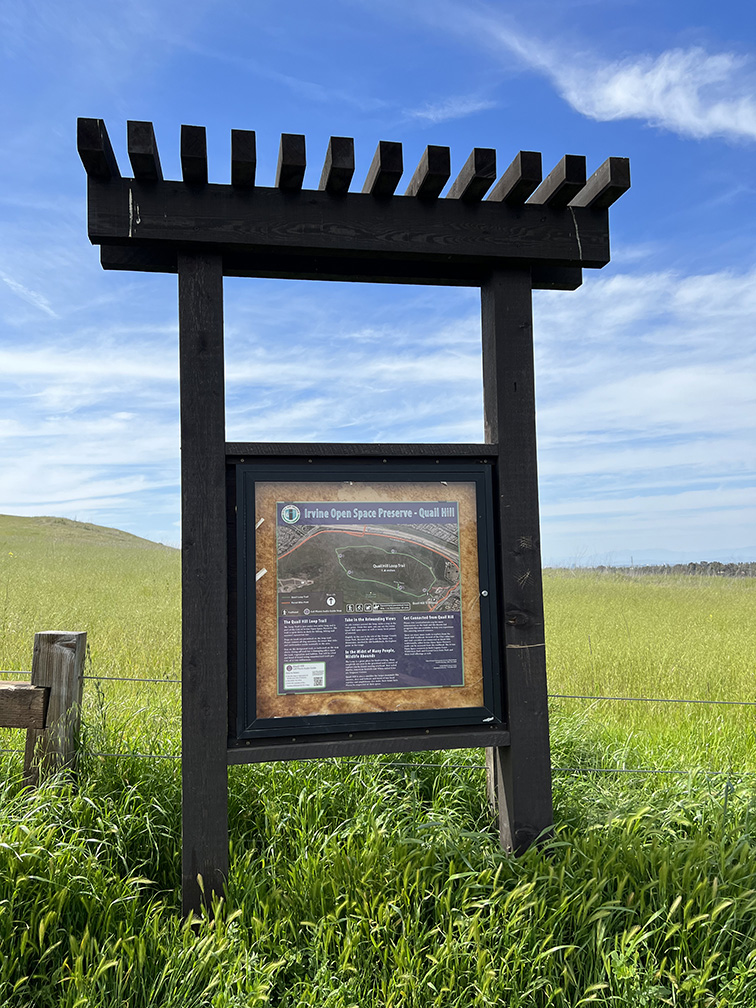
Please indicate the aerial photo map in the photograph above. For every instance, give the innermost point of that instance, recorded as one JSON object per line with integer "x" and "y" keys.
{"x": 368, "y": 595}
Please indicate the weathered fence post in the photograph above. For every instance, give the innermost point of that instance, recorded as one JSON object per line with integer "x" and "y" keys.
{"x": 57, "y": 664}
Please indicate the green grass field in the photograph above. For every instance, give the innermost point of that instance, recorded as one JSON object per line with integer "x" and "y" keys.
{"x": 367, "y": 883}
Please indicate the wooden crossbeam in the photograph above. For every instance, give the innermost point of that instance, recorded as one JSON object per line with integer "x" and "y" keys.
{"x": 23, "y": 705}
{"x": 291, "y": 162}
{"x": 143, "y": 152}
{"x": 95, "y": 149}
{"x": 520, "y": 179}
{"x": 477, "y": 176}
{"x": 194, "y": 154}
{"x": 606, "y": 185}
{"x": 431, "y": 174}
{"x": 347, "y": 268}
{"x": 386, "y": 169}
{"x": 339, "y": 166}
{"x": 243, "y": 158}
{"x": 449, "y": 232}
{"x": 562, "y": 184}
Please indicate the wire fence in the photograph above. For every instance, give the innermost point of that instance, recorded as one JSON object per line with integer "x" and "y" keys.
{"x": 463, "y": 766}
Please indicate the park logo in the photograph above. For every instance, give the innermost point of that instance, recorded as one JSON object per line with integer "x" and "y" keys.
{"x": 290, "y": 514}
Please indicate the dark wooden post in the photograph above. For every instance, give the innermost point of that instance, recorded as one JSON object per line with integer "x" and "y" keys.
{"x": 57, "y": 665}
{"x": 521, "y": 771}
{"x": 203, "y": 579}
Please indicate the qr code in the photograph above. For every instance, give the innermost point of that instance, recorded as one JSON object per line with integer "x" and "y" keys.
{"x": 317, "y": 680}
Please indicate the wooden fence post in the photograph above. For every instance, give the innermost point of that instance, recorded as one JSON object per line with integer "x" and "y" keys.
{"x": 58, "y": 664}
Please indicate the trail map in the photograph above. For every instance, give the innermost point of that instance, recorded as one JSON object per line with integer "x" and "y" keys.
{"x": 368, "y": 595}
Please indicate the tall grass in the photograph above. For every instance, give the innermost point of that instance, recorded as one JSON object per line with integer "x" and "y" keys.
{"x": 368, "y": 883}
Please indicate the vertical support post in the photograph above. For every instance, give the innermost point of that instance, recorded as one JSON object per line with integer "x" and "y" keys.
{"x": 204, "y": 690}
{"x": 58, "y": 663}
{"x": 521, "y": 771}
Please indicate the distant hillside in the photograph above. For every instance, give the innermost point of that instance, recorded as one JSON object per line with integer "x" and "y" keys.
{"x": 17, "y": 532}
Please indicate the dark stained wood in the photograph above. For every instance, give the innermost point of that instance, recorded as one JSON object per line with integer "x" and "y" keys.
{"x": 57, "y": 665}
{"x": 368, "y": 743}
{"x": 203, "y": 579}
{"x": 448, "y": 232}
{"x": 163, "y": 259}
{"x": 523, "y": 769}
{"x": 431, "y": 174}
{"x": 23, "y": 705}
{"x": 304, "y": 450}
{"x": 143, "y": 152}
{"x": 561, "y": 184}
{"x": 243, "y": 157}
{"x": 386, "y": 169}
{"x": 194, "y": 154}
{"x": 95, "y": 150}
{"x": 292, "y": 162}
{"x": 520, "y": 180}
{"x": 566, "y": 278}
{"x": 339, "y": 166}
{"x": 606, "y": 185}
{"x": 477, "y": 176}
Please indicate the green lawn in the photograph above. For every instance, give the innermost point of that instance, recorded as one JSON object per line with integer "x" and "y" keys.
{"x": 366, "y": 883}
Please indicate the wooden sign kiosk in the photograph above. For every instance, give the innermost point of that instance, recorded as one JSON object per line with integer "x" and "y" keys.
{"x": 527, "y": 233}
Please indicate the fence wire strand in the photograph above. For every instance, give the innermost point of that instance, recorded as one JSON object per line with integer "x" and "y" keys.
{"x": 637, "y": 699}
{"x": 99, "y": 678}
{"x": 552, "y": 696}
{"x": 456, "y": 766}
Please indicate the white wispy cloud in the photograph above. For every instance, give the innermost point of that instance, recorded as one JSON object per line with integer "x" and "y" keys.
{"x": 689, "y": 91}
{"x": 647, "y": 411}
{"x": 32, "y": 297}
{"x": 450, "y": 108}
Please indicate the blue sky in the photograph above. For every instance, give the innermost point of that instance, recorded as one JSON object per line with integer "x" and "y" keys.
{"x": 644, "y": 375}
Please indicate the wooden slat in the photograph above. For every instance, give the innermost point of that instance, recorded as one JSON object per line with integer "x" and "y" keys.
{"x": 368, "y": 743}
{"x": 203, "y": 580}
{"x": 523, "y": 769}
{"x": 520, "y": 180}
{"x": 57, "y": 665}
{"x": 340, "y": 268}
{"x": 561, "y": 184}
{"x": 265, "y": 449}
{"x": 23, "y": 705}
{"x": 339, "y": 166}
{"x": 95, "y": 150}
{"x": 477, "y": 176}
{"x": 449, "y": 233}
{"x": 194, "y": 154}
{"x": 606, "y": 185}
{"x": 243, "y": 158}
{"x": 291, "y": 161}
{"x": 431, "y": 174}
{"x": 143, "y": 152}
{"x": 386, "y": 169}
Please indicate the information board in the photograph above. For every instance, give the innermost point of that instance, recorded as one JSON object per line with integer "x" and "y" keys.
{"x": 367, "y": 595}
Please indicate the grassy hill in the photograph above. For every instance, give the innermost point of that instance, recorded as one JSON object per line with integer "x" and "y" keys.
{"x": 58, "y": 574}
{"x": 45, "y": 532}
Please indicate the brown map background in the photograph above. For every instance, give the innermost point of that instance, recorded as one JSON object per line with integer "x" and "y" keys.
{"x": 269, "y": 703}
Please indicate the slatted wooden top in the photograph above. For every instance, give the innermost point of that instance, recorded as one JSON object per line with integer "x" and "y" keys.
{"x": 556, "y": 225}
